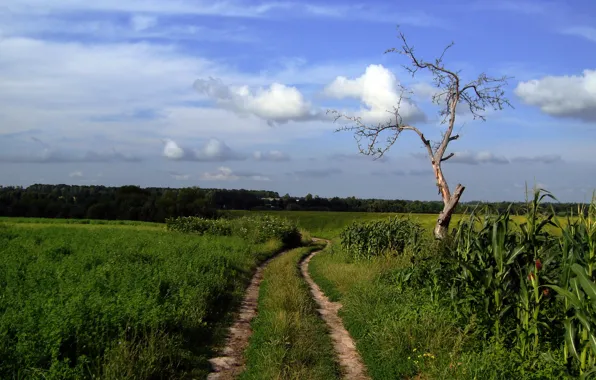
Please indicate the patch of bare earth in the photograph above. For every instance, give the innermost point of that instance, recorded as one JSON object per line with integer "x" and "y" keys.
{"x": 232, "y": 362}
{"x": 349, "y": 358}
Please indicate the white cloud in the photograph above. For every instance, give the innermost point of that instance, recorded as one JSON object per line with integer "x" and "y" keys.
{"x": 77, "y": 174}
{"x": 224, "y": 173}
{"x": 213, "y": 150}
{"x": 587, "y": 32}
{"x": 542, "y": 159}
{"x": 235, "y": 9}
{"x": 378, "y": 89}
{"x": 272, "y": 155}
{"x": 142, "y": 22}
{"x": 276, "y": 104}
{"x": 564, "y": 96}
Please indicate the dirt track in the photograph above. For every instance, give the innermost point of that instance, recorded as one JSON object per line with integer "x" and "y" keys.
{"x": 345, "y": 349}
{"x": 232, "y": 362}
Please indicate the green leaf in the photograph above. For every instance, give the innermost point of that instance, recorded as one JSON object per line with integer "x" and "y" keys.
{"x": 572, "y": 298}
{"x": 588, "y": 286}
{"x": 570, "y": 337}
{"x": 514, "y": 255}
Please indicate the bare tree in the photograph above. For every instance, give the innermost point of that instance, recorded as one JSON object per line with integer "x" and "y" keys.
{"x": 477, "y": 95}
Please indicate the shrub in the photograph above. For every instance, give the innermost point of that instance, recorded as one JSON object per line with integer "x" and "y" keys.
{"x": 392, "y": 235}
{"x": 256, "y": 229}
{"x": 201, "y": 226}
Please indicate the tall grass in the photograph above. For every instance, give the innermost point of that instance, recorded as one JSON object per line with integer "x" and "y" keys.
{"x": 115, "y": 302}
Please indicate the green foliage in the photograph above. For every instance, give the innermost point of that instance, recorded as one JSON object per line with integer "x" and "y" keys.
{"x": 116, "y": 302}
{"x": 504, "y": 296}
{"x": 392, "y": 235}
{"x": 257, "y": 229}
{"x": 198, "y": 225}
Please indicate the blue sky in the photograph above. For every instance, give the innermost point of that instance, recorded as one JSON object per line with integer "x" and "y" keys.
{"x": 233, "y": 94}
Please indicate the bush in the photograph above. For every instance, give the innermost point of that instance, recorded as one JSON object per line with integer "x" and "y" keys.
{"x": 256, "y": 229}
{"x": 201, "y": 226}
{"x": 392, "y": 235}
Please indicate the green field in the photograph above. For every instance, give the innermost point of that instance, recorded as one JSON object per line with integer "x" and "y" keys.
{"x": 115, "y": 301}
{"x": 328, "y": 225}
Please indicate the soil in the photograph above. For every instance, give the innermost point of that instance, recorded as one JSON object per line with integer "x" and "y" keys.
{"x": 232, "y": 362}
{"x": 348, "y": 356}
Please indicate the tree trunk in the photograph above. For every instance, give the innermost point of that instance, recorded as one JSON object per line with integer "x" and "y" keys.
{"x": 442, "y": 226}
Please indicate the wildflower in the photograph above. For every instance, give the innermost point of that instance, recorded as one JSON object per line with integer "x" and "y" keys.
{"x": 538, "y": 265}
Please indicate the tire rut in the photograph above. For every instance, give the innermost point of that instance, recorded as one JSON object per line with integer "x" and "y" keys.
{"x": 348, "y": 356}
{"x": 232, "y": 362}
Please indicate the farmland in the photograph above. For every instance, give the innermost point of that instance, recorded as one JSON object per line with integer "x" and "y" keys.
{"x": 131, "y": 300}
{"x": 506, "y": 298}
{"x": 83, "y": 298}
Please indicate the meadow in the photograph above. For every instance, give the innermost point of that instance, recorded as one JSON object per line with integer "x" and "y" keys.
{"x": 117, "y": 301}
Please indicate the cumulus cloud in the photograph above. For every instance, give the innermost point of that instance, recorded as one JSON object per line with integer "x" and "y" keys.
{"x": 277, "y": 103}
{"x": 224, "y": 173}
{"x": 378, "y": 90}
{"x": 214, "y": 150}
{"x": 272, "y": 155}
{"x": 571, "y": 96}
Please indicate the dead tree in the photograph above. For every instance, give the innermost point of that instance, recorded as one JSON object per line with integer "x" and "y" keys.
{"x": 477, "y": 95}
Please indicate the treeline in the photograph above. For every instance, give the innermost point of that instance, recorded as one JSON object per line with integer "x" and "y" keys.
{"x": 156, "y": 204}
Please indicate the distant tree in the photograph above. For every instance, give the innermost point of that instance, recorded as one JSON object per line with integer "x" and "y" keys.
{"x": 476, "y": 95}
{"x": 308, "y": 197}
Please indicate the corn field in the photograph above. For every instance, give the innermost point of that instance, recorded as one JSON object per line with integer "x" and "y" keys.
{"x": 530, "y": 285}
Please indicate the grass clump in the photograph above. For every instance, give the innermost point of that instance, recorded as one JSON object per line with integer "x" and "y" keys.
{"x": 290, "y": 341}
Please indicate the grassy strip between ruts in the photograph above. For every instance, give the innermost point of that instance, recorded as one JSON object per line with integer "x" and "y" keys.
{"x": 290, "y": 341}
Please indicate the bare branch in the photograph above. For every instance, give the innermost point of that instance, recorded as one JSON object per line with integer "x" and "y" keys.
{"x": 447, "y": 157}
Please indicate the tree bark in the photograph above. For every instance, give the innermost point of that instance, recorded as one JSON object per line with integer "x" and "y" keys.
{"x": 442, "y": 226}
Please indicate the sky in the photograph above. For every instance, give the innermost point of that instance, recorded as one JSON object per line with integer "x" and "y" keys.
{"x": 234, "y": 94}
